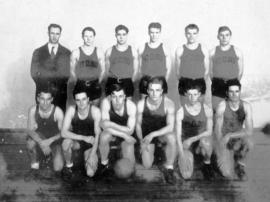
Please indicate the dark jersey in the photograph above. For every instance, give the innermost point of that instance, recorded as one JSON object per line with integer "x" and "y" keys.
{"x": 87, "y": 67}
{"x": 153, "y": 120}
{"x": 48, "y": 127}
{"x": 192, "y": 63}
{"x": 153, "y": 61}
{"x": 233, "y": 120}
{"x": 116, "y": 118}
{"x": 193, "y": 125}
{"x": 121, "y": 63}
{"x": 225, "y": 63}
{"x": 83, "y": 126}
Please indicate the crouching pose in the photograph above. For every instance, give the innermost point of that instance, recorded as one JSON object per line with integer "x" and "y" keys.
{"x": 194, "y": 123}
{"x": 44, "y": 125}
{"x": 81, "y": 131}
{"x": 155, "y": 124}
{"x": 231, "y": 136}
{"x": 118, "y": 123}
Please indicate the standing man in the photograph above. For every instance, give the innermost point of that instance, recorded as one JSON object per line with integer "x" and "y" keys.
{"x": 194, "y": 123}
{"x": 50, "y": 66}
{"x": 44, "y": 125}
{"x": 87, "y": 65}
{"x": 122, "y": 62}
{"x": 154, "y": 58}
{"x": 234, "y": 126}
{"x": 226, "y": 62}
{"x": 155, "y": 124}
{"x": 118, "y": 123}
{"x": 192, "y": 64}
{"x": 81, "y": 131}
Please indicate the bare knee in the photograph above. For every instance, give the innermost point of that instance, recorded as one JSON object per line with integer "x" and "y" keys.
{"x": 30, "y": 144}
{"x": 58, "y": 160}
{"x": 67, "y": 144}
{"x": 105, "y": 138}
{"x": 206, "y": 145}
{"x": 170, "y": 140}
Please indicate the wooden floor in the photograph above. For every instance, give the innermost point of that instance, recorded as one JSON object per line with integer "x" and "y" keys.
{"x": 148, "y": 185}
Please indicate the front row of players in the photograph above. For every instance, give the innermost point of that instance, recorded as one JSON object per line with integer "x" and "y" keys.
{"x": 93, "y": 130}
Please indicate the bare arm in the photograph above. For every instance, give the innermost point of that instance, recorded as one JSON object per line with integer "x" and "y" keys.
{"x": 219, "y": 119}
{"x": 178, "y": 53}
{"x": 135, "y": 65}
{"x": 168, "y": 63}
{"x": 73, "y": 62}
{"x": 178, "y": 127}
{"x": 140, "y": 106}
{"x": 140, "y": 52}
{"x": 206, "y": 62}
{"x": 240, "y": 63}
{"x": 107, "y": 61}
{"x": 101, "y": 61}
{"x": 32, "y": 125}
{"x": 211, "y": 56}
{"x": 97, "y": 117}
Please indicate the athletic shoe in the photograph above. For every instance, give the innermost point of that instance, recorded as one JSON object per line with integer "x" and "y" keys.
{"x": 207, "y": 172}
{"x": 104, "y": 172}
{"x": 169, "y": 176}
{"x": 32, "y": 174}
{"x": 240, "y": 172}
{"x": 67, "y": 173}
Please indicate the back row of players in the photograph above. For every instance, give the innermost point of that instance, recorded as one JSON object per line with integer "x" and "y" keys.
{"x": 86, "y": 126}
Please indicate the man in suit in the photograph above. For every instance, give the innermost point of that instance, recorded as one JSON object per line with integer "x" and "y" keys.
{"x": 50, "y": 66}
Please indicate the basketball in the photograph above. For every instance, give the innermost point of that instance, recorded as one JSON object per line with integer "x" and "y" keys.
{"x": 123, "y": 168}
{"x": 185, "y": 164}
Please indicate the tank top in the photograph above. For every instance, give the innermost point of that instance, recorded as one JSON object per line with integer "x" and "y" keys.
{"x": 116, "y": 118}
{"x": 233, "y": 120}
{"x": 153, "y": 120}
{"x": 121, "y": 63}
{"x": 46, "y": 126}
{"x": 192, "y": 63}
{"x": 153, "y": 61}
{"x": 193, "y": 125}
{"x": 83, "y": 126}
{"x": 87, "y": 67}
{"x": 225, "y": 63}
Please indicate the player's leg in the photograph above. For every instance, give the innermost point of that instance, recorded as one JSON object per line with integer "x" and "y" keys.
{"x": 104, "y": 146}
{"x": 147, "y": 151}
{"x": 91, "y": 162}
{"x": 128, "y": 151}
{"x": 32, "y": 151}
{"x": 58, "y": 162}
{"x": 224, "y": 160}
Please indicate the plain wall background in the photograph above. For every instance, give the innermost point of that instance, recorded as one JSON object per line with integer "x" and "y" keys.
{"x": 24, "y": 28}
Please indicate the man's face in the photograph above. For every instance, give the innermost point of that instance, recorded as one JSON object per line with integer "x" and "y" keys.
{"x": 88, "y": 38}
{"x": 118, "y": 99}
{"x": 193, "y": 96}
{"x": 121, "y": 37}
{"x": 155, "y": 91}
{"x": 54, "y": 35}
{"x": 192, "y": 35}
{"x": 45, "y": 101}
{"x": 234, "y": 93}
{"x": 81, "y": 100}
{"x": 154, "y": 34}
{"x": 224, "y": 37}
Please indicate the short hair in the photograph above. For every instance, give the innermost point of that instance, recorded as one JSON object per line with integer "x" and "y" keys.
{"x": 46, "y": 89}
{"x": 121, "y": 27}
{"x": 79, "y": 88}
{"x": 90, "y": 29}
{"x": 224, "y": 28}
{"x": 233, "y": 82}
{"x": 116, "y": 87}
{"x": 55, "y": 26}
{"x": 193, "y": 85}
{"x": 159, "y": 80}
{"x": 156, "y": 25}
{"x": 192, "y": 26}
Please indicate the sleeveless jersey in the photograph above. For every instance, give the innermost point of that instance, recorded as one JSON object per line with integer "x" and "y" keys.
{"x": 193, "y": 125}
{"x": 121, "y": 63}
{"x": 192, "y": 63}
{"x": 233, "y": 120}
{"x": 87, "y": 67}
{"x": 153, "y": 61}
{"x": 225, "y": 63}
{"x": 153, "y": 120}
{"x": 116, "y": 118}
{"x": 83, "y": 126}
{"x": 46, "y": 126}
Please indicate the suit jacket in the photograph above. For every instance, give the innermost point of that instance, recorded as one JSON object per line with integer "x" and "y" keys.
{"x": 46, "y": 70}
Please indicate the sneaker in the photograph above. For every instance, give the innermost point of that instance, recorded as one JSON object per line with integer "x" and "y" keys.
{"x": 240, "y": 172}
{"x": 207, "y": 172}
{"x": 32, "y": 174}
{"x": 169, "y": 176}
{"x": 67, "y": 173}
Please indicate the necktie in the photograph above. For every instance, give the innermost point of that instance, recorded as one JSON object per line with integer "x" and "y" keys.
{"x": 52, "y": 52}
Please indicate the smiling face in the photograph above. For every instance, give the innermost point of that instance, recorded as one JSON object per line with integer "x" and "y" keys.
{"x": 45, "y": 101}
{"x": 54, "y": 35}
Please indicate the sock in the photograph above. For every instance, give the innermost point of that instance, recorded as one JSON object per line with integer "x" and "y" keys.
{"x": 105, "y": 162}
{"x": 241, "y": 163}
{"x": 169, "y": 167}
{"x": 69, "y": 165}
{"x": 207, "y": 162}
{"x": 35, "y": 165}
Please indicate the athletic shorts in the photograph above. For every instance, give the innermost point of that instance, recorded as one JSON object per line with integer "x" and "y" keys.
{"x": 126, "y": 83}
{"x": 184, "y": 84}
{"x": 143, "y": 85}
{"x": 93, "y": 87}
{"x": 219, "y": 87}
